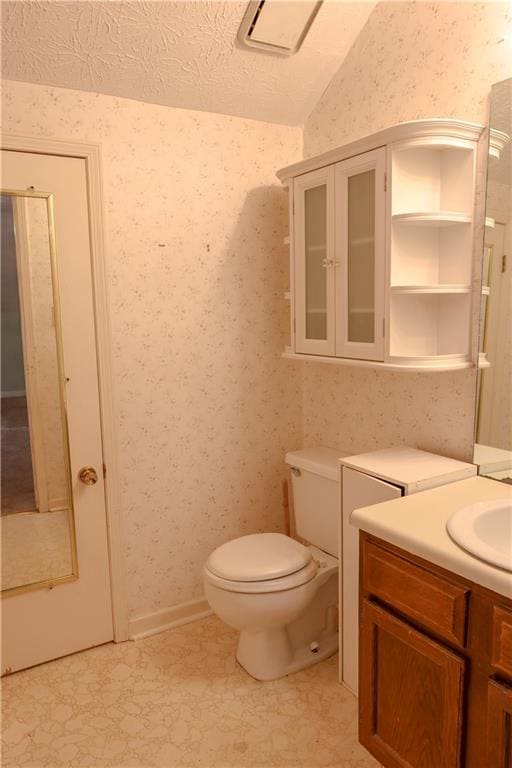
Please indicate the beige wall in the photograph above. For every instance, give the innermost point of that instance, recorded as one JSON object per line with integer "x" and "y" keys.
{"x": 411, "y": 60}
{"x": 194, "y": 221}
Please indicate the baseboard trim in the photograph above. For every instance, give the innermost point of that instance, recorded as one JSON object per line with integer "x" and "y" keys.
{"x": 167, "y": 618}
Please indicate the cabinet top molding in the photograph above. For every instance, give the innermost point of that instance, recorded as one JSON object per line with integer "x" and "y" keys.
{"x": 434, "y": 128}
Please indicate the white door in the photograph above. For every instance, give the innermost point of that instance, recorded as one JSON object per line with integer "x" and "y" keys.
{"x": 59, "y": 603}
{"x": 359, "y": 490}
{"x": 313, "y": 196}
{"x": 360, "y": 253}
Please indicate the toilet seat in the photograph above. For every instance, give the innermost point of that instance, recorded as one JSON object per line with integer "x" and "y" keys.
{"x": 260, "y": 562}
{"x": 281, "y": 584}
{"x": 258, "y": 557}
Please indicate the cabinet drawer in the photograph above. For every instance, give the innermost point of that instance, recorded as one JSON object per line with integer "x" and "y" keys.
{"x": 432, "y": 601}
{"x": 501, "y": 653}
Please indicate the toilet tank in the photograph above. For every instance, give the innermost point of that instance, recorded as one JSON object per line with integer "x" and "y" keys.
{"x": 317, "y": 496}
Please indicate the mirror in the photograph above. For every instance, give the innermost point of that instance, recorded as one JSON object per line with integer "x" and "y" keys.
{"x": 493, "y": 439}
{"x": 38, "y": 543}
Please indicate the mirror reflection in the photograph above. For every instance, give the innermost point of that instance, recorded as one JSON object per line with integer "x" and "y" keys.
{"x": 493, "y": 447}
{"x": 36, "y": 502}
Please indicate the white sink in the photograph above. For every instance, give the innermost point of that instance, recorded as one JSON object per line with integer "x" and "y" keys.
{"x": 485, "y": 531}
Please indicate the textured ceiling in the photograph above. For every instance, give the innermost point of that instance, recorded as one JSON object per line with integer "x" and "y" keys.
{"x": 181, "y": 54}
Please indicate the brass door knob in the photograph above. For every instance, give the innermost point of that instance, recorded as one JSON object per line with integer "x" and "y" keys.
{"x": 88, "y": 476}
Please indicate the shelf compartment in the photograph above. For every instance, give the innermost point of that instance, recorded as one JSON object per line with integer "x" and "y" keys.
{"x": 432, "y": 178}
{"x": 432, "y": 218}
{"x": 431, "y": 255}
{"x": 447, "y": 288}
{"x": 429, "y": 325}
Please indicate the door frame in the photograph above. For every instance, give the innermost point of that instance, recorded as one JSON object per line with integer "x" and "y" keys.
{"x": 91, "y": 154}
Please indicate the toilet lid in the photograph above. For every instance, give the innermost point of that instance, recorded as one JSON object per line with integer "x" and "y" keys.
{"x": 258, "y": 557}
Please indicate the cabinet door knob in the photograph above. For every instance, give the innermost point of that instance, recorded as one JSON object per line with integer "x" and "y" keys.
{"x": 88, "y": 476}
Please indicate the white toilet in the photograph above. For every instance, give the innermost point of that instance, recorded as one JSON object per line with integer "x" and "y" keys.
{"x": 283, "y": 596}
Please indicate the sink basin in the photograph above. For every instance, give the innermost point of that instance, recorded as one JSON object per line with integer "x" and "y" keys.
{"x": 485, "y": 531}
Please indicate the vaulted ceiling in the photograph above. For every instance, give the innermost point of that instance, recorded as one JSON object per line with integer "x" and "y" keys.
{"x": 180, "y": 54}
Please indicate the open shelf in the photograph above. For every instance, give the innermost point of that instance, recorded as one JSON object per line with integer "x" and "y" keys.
{"x": 431, "y": 256}
{"x": 437, "y": 288}
{"x": 432, "y": 218}
{"x": 432, "y": 178}
{"x": 428, "y": 325}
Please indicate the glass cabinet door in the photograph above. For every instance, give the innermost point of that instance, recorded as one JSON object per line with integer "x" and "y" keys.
{"x": 314, "y": 263}
{"x": 360, "y": 238}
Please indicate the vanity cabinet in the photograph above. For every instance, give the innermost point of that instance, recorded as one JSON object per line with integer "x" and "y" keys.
{"x": 381, "y": 249}
{"x": 435, "y": 664}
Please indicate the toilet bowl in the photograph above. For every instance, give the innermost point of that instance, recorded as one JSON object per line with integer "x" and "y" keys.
{"x": 263, "y": 585}
{"x": 280, "y": 595}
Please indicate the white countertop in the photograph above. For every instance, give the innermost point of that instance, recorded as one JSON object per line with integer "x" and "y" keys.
{"x": 417, "y": 524}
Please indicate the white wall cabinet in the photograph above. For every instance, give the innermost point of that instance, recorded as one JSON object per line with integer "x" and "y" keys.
{"x": 381, "y": 248}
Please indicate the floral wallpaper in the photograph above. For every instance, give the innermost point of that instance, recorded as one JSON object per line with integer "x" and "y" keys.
{"x": 411, "y": 61}
{"x": 195, "y": 221}
{"x": 414, "y": 60}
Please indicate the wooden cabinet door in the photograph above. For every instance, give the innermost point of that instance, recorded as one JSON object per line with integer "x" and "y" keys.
{"x": 499, "y": 726}
{"x": 411, "y": 690}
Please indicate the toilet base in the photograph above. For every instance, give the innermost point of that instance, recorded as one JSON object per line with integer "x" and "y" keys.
{"x": 268, "y": 655}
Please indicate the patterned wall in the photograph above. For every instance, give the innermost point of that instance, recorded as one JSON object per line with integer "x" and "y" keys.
{"x": 411, "y": 60}
{"x": 195, "y": 221}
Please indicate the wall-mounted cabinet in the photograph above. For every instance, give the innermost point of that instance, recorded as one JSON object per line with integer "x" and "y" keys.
{"x": 381, "y": 248}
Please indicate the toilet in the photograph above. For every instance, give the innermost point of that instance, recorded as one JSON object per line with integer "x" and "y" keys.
{"x": 282, "y": 596}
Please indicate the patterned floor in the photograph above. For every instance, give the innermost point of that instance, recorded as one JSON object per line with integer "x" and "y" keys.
{"x": 177, "y": 700}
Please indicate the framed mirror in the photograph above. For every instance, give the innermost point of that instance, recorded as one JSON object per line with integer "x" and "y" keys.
{"x": 37, "y": 524}
{"x": 493, "y": 434}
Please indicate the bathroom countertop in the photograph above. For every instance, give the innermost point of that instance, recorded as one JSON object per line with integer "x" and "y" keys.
{"x": 417, "y": 524}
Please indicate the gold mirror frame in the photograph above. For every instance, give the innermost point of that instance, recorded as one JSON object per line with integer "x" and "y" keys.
{"x": 73, "y": 576}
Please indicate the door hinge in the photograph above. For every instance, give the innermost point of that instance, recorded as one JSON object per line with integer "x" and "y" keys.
{"x": 294, "y": 325}
{"x": 104, "y": 470}
{"x": 385, "y": 182}
{"x": 504, "y": 263}
{"x": 383, "y": 326}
